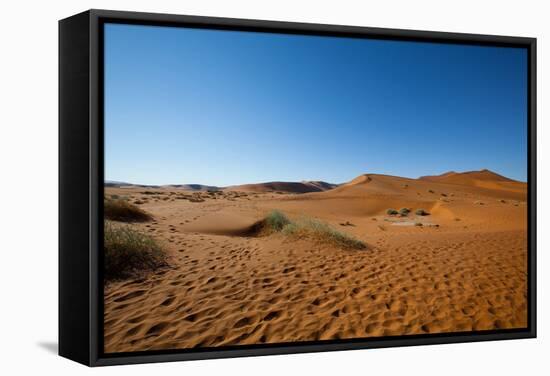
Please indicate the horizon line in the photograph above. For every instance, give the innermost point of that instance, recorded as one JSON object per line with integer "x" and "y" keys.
{"x": 114, "y": 181}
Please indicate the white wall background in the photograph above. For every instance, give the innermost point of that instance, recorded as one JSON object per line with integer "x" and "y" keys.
{"x": 28, "y": 189}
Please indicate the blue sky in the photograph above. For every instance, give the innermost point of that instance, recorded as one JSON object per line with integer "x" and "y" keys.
{"x": 226, "y": 107}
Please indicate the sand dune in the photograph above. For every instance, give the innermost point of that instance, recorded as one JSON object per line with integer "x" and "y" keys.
{"x": 464, "y": 269}
{"x": 468, "y": 177}
{"x": 286, "y": 187}
{"x": 192, "y": 187}
{"x": 482, "y": 179}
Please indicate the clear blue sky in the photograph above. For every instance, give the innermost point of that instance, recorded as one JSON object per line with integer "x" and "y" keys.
{"x": 224, "y": 107}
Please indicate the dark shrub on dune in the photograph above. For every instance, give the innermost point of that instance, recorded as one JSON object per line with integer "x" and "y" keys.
{"x": 421, "y": 212}
{"x": 123, "y": 211}
{"x": 404, "y": 211}
{"x": 392, "y": 212}
{"x": 129, "y": 253}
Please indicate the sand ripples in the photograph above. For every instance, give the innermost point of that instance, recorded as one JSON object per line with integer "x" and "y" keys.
{"x": 226, "y": 290}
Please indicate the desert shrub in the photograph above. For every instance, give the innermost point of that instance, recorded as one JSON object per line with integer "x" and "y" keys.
{"x": 419, "y": 224}
{"x": 129, "y": 253}
{"x": 115, "y": 197}
{"x": 431, "y": 191}
{"x": 421, "y": 212}
{"x": 275, "y": 221}
{"x": 318, "y": 230}
{"x": 404, "y": 211}
{"x": 123, "y": 211}
{"x": 392, "y": 212}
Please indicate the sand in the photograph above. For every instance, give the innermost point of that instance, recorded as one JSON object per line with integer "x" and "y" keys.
{"x": 464, "y": 269}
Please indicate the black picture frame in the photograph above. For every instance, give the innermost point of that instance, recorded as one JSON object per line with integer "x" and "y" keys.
{"x": 81, "y": 185}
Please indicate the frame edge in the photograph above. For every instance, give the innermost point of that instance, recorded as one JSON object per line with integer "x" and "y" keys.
{"x": 94, "y": 357}
{"x": 74, "y": 251}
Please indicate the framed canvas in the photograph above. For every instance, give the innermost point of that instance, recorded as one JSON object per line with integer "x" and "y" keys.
{"x": 235, "y": 187}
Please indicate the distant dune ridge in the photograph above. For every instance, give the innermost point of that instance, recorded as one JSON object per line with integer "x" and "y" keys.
{"x": 275, "y": 186}
{"x": 120, "y": 184}
{"x": 193, "y": 187}
{"x": 187, "y": 187}
{"x": 467, "y": 177}
{"x": 482, "y": 178}
{"x": 287, "y": 187}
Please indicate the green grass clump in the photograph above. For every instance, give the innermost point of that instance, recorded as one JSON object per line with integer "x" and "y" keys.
{"x": 124, "y": 211}
{"x": 129, "y": 253}
{"x": 275, "y": 221}
{"x": 422, "y": 212}
{"x": 392, "y": 212}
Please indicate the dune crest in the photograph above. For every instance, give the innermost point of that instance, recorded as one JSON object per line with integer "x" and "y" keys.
{"x": 468, "y": 177}
{"x": 361, "y": 179}
{"x": 482, "y": 179}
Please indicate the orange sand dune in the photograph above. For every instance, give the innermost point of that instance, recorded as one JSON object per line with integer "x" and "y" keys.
{"x": 482, "y": 179}
{"x": 468, "y": 176}
{"x": 464, "y": 268}
{"x": 372, "y": 194}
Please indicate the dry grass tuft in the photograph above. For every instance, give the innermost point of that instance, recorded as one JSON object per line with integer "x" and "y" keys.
{"x": 323, "y": 232}
{"x": 277, "y": 222}
{"x": 124, "y": 211}
{"x": 129, "y": 253}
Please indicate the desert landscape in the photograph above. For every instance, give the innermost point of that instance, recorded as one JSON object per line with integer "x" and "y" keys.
{"x": 282, "y": 262}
